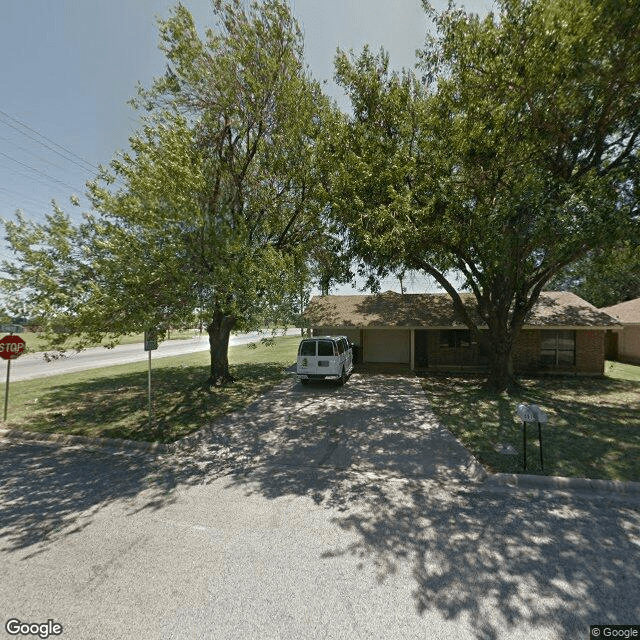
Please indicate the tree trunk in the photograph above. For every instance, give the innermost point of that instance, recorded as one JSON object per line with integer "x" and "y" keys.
{"x": 219, "y": 330}
{"x": 500, "y": 366}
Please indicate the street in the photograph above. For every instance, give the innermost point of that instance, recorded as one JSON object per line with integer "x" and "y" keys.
{"x": 33, "y": 365}
{"x": 130, "y": 547}
{"x": 320, "y": 512}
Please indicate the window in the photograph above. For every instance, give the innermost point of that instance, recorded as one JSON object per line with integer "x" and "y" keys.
{"x": 341, "y": 348}
{"x": 456, "y": 338}
{"x": 325, "y": 348}
{"x": 558, "y": 348}
{"x": 308, "y": 348}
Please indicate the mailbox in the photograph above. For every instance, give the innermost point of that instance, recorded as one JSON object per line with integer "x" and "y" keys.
{"x": 525, "y": 413}
{"x": 539, "y": 415}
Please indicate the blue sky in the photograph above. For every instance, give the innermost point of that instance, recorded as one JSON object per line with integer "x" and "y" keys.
{"x": 69, "y": 67}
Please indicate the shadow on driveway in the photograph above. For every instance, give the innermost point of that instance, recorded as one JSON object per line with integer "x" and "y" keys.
{"x": 375, "y": 423}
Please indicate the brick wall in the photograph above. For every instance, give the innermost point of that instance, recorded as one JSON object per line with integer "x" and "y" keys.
{"x": 590, "y": 348}
{"x": 590, "y": 351}
{"x": 629, "y": 345}
{"x": 526, "y": 351}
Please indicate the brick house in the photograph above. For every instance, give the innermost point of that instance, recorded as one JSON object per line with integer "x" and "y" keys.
{"x": 628, "y": 335}
{"x": 561, "y": 334}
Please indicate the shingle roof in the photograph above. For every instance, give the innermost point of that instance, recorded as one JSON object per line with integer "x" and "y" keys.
{"x": 625, "y": 312}
{"x": 554, "y": 308}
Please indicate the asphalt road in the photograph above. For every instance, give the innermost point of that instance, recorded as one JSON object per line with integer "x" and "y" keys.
{"x": 34, "y": 365}
{"x": 210, "y": 544}
{"x": 130, "y": 549}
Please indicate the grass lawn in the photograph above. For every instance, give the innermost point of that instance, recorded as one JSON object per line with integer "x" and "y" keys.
{"x": 112, "y": 402}
{"x": 593, "y": 429}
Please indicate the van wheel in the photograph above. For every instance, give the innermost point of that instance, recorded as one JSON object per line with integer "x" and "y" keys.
{"x": 304, "y": 381}
{"x": 343, "y": 377}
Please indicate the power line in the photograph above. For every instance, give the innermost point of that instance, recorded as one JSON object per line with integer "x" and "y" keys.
{"x": 64, "y": 184}
{"x": 31, "y": 153}
{"x": 22, "y": 124}
{"x": 28, "y": 200}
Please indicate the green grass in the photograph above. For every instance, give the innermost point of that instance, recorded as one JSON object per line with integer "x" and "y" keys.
{"x": 593, "y": 429}
{"x": 112, "y": 402}
{"x": 619, "y": 371}
{"x": 35, "y": 343}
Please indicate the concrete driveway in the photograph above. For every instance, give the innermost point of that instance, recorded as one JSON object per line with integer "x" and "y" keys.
{"x": 256, "y": 531}
{"x": 374, "y": 423}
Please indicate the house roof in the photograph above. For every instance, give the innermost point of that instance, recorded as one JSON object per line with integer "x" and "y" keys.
{"x": 625, "y": 312}
{"x": 554, "y": 308}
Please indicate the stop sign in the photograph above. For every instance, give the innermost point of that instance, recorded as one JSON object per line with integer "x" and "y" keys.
{"x": 11, "y": 347}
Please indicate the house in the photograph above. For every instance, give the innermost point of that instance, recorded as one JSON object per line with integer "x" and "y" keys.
{"x": 562, "y": 333}
{"x": 628, "y": 335}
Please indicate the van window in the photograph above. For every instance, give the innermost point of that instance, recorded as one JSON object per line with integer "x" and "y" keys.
{"x": 325, "y": 348}
{"x": 308, "y": 348}
{"x": 341, "y": 347}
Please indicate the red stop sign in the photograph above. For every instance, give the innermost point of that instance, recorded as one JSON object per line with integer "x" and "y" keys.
{"x": 11, "y": 347}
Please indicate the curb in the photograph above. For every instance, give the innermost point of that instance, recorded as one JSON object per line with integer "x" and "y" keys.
{"x": 476, "y": 471}
{"x": 560, "y": 483}
{"x": 114, "y": 443}
{"x": 183, "y": 444}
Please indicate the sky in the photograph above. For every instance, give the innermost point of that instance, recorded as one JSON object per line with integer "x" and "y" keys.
{"x": 70, "y": 66}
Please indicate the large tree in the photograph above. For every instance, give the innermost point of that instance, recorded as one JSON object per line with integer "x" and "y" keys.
{"x": 219, "y": 198}
{"x": 604, "y": 277}
{"x": 514, "y": 154}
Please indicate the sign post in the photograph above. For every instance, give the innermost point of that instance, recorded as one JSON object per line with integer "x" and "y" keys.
{"x": 11, "y": 347}
{"x": 531, "y": 413}
{"x": 150, "y": 344}
{"x": 541, "y": 417}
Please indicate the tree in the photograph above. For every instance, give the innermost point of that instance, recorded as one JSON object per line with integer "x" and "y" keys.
{"x": 222, "y": 191}
{"x": 604, "y": 277}
{"x": 512, "y": 157}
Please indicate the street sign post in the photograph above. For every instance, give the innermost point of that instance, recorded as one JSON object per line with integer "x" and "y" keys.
{"x": 11, "y": 347}
{"x": 150, "y": 344}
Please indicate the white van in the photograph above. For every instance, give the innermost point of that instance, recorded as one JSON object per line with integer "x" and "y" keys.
{"x": 324, "y": 358}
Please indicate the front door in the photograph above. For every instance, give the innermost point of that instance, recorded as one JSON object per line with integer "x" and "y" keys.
{"x": 421, "y": 345}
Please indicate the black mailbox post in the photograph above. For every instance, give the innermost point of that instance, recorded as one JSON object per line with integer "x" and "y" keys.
{"x": 531, "y": 413}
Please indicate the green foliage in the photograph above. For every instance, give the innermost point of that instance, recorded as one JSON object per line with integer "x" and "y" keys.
{"x": 206, "y": 215}
{"x": 515, "y": 156}
{"x": 605, "y": 277}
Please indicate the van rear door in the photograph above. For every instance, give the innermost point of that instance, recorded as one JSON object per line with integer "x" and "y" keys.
{"x": 307, "y": 358}
{"x": 328, "y": 358}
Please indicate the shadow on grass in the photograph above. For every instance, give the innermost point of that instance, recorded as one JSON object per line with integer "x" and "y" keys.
{"x": 117, "y": 406}
{"x": 593, "y": 429}
{"x": 499, "y": 564}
